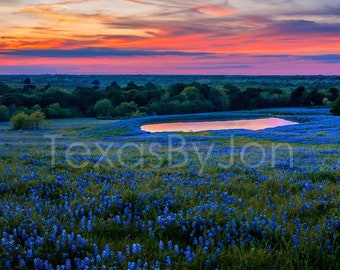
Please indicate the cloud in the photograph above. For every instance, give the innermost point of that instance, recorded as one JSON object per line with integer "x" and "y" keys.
{"x": 298, "y": 27}
{"x": 326, "y": 58}
{"x": 220, "y": 67}
{"x": 97, "y": 52}
{"x": 237, "y": 64}
{"x": 37, "y": 69}
{"x": 322, "y": 58}
{"x": 326, "y": 7}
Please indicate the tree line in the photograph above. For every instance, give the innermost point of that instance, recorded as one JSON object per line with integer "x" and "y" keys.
{"x": 132, "y": 100}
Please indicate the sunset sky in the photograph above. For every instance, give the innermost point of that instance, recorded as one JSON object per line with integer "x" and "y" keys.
{"x": 170, "y": 37}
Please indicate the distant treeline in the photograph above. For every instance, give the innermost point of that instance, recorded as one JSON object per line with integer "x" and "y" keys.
{"x": 134, "y": 100}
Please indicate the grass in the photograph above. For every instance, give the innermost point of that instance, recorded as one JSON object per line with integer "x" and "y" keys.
{"x": 198, "y": 213}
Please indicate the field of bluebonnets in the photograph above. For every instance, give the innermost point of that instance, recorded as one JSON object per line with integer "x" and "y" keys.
{"x": 88, "y": 194}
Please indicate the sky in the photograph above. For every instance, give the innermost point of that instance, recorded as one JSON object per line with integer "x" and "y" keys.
{"x": 222, "y": 37}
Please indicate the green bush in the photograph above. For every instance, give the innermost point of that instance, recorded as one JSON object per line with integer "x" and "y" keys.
{"x": 103, "y": 107}
{"x": 27, "y": 122}
{"x": 4, "y": 113}
{"x": 126, "y": 109}
{"x": 56, "y": 111}
{"x": 36, "y": 107}
{"x": 336, "y": 107}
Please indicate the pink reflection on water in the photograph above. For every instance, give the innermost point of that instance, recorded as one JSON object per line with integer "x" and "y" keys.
{"x": 256, "y": 124}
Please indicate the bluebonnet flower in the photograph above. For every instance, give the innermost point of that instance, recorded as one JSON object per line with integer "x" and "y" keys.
{"x": 177, "y": 250}
{"x": 161, "y": 245}
{"x": 139, "y": 248}
{"x": 68, "y": 265}
{"x": 106, "y": 255}
{"x": 134, "y": 249}
{"x": 188, "y": 256}
{"x": 121, "y": 258}
{"x": 89, "y": 226}
{"x": 168, "y": 261}
{"x": 95, "y": 250}
{"x": 98, "y": 259}
{"x": 296, "y": 241}
{"x": 131, "y": 266}
{"x": 169, "y": 245}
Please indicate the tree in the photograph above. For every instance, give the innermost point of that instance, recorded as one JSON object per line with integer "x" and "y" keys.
{"x": 113, "y": 93}
{"x": 4, "y": 113}
{"x": 203, "y": 88}
{"x": 126, "y": 109}
{"x": 150, "y": 86}
{"x": 87, "y": 98}
{"x": 4, "y": 88}
{"x": 237, "y": 100}
{"x": 13, "y": 99}
{"x": 296, "y": 96}
{"x": 335, "y": 110}
{"x": 314, "y": 97}
{"x": 175, "y": 89}
{"x": 252, "y": 97}
{"x": 115, "y": 85}
{"x": 28, "y": 85}
{"x": 224, "y": 100}
{"x": 131, "y": 85}
{"x": 36, "y": 107}
{"x": 195, "y": 106}
{"x": 58, "y": 95}
{"x": 214, "y": 96}
{"x": 103, "y": 107}
{"x": 334, "y": 94}
{"x": 192, "y": 93}
{"x": 56, "y": 111}
{"x": 27, "y": 81}
{"x": 96, "y": 84}
{"x": 142, "y": 98}
{"x": 47, "y": 86}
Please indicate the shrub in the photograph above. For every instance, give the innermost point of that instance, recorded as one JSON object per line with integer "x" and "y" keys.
{"x": 20, "y": 121}
{"x": 25, "y": 121}
{"x": 4, "y": 113}
{"x": 36, "y": 119}
{"x": 126, "y": 109}
{"x": 336, "y": 107}
{"x": 103, "y": 107}
{"x": 36, "y": 107}
{"x": 56, "y": 111}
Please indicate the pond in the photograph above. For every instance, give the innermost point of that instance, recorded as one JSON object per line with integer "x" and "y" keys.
{"x": 255, "y": 124}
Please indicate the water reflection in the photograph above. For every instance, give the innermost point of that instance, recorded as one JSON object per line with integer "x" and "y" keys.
{"x": 256, "y": 124}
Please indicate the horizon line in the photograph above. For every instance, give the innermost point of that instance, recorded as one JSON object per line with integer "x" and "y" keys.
{"x": 170, "y": 74}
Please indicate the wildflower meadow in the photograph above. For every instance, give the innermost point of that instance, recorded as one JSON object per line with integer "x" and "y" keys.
{"x": 94, "y": 194}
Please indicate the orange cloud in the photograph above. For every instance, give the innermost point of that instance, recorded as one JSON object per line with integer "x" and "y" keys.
{"x": 48, "y": 12}
{"x": 213, "y": 10}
